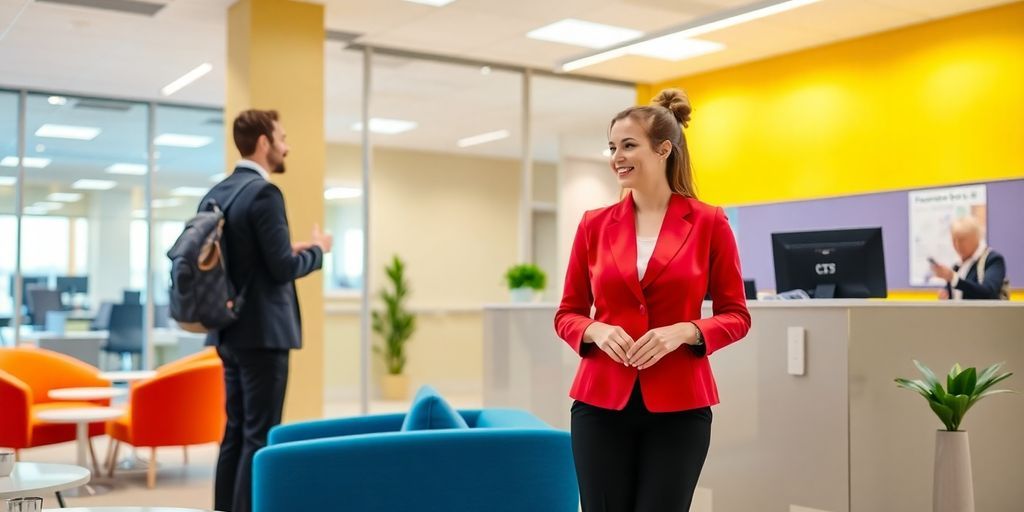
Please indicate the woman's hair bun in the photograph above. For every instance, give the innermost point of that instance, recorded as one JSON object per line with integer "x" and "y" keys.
{"x": 676, "y": 102}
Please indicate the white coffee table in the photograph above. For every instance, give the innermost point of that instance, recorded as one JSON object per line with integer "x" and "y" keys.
{"x": 86, "y": 394}
{"x": 128, "y": 376}
{"x": 35, "y": 479}
{"x": 81, "y": 417}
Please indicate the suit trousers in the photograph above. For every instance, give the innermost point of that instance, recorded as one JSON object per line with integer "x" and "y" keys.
{"x": 255, "y": 381}
{"x": 635, "y": 460}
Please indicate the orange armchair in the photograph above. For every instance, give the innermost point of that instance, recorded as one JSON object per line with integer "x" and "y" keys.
{"x": 27, "y": 375}
{"x": 202, "y": 355}
{"x": 178, "y": 407}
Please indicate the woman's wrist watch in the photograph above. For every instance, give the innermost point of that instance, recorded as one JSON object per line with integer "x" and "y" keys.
{"x": 700, "y": 336}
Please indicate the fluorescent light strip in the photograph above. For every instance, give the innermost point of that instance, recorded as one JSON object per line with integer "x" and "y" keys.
{"x": 48, "y": 205}
{"x": 127, "y": 169}
{"x": 342, "y": 193}
{"x": 189, "y": 191}
{"x": 584, "y": 33}
{"x": 675, "y": 48}
{"x": 93, "y": 185}
{"x": 186, "y": 79}
{"x": 180, "y": 140}
{"x": 386, "y": 126}
{"x": 165, "y": 203}
{"x": 733, "y": 18}
{"x": 63, "y": 131}
{"x": 64, "y": 197}
{"x": 435, "y": 3}
{"x": 483, "y": 138}
{"x": 30, "y": 162}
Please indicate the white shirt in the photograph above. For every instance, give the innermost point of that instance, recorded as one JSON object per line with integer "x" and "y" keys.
{"x": 644, "y": 250}
{"x": 965, "y": 267}
{"x": 249, "y": 164}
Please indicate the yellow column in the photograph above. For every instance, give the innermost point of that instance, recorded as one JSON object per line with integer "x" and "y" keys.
{"x": 275, "y": 61}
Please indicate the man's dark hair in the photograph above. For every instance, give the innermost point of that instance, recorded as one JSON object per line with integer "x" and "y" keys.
{"x": 248, "y": 127}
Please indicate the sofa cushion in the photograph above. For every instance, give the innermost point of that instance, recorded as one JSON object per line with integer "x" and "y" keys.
{"x": 430, "y": 412}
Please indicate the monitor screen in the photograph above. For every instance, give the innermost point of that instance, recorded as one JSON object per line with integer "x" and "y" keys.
{"x": 73, "y": 284}
{"x": 841, "y": 263}
{"x": 26, "y": 283}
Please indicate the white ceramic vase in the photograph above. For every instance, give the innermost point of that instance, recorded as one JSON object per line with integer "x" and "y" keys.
{"x": 953, "y": 489}
{"x": 522, "y": 294}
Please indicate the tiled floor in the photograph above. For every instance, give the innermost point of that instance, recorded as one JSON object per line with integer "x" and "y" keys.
{"x": 178, "y": 484}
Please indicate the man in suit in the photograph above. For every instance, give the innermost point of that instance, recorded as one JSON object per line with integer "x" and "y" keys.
{"x": 263, "y": 262}
{"x": 963, "y": 281}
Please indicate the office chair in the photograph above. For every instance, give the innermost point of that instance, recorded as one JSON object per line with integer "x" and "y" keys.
{"x": 42, "y": 301}
{"x": 125, "y": 332}
{"x": 132, "y": 297}
{"x": 102, "y": 319}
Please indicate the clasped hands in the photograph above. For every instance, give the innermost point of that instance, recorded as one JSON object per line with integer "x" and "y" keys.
{"x": 644, "y": 352}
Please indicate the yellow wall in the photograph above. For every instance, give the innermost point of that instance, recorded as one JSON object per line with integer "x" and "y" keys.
{"x": 933, "y": 104}
{"x": 453, "y": 219}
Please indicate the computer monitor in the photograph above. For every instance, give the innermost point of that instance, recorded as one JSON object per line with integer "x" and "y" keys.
{"x": 132, "y": 297}
{"x": 26, "y": 283}
{"x": 841, "y": 263}
{"x": 73, "y": 284}
{"x": 750, "y": 289}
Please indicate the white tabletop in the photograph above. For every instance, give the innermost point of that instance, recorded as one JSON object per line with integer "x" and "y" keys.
{"x": 79, "y": 414}
{"x": 127, "y": 376}
{"x": 36, "y": 479}
{"x": 86, "y": 393}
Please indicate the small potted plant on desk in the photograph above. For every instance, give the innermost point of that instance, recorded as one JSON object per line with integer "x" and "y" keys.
{"x": 953, "y": 485}
{"x": 395, "y": 326}
{"x": 525, "y": 281}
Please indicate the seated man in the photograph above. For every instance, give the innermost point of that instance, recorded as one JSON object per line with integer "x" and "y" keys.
{"x": 982, "y": 271}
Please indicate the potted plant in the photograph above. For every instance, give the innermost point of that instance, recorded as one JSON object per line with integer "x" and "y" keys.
{"x": 524, "y": 281}
{"x": 395, "y": 326}
{"x": 953, "y": 487}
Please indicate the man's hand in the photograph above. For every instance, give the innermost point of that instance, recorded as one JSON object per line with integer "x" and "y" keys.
{"x": 298, "y": 247}
{"x": 943, "y": 294}
{"x": 325, "y": 241}
{"x": 657, "y": 343}
{"x": 611, "y": 339}
{"x": 942, "y": 272}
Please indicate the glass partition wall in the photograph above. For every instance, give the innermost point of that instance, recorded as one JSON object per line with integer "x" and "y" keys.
{"x": 96, "y": 218}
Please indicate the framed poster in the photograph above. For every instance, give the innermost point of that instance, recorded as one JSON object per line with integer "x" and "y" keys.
{"x": 932, "y": 213}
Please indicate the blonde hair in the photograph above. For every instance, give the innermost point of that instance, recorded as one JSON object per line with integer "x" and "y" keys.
{"x": 663, "y": 120}
{"x": 967, "y": 226}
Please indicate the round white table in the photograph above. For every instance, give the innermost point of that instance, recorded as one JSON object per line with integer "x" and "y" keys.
{"x": 128, "y": 376}
{"x": 86, "y": 394}
{"x": 36, "y": 479}
{"x": 81, "y": 417}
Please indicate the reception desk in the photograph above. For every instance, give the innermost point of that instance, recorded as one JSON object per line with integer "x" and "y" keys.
{"x": 839, "y": 438}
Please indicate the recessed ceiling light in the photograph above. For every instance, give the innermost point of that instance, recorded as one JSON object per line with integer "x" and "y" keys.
{"x": 435, "y": 3}
{"x": 93, "y": 185}
{"x": 128, "y": 169}
{"x": 728, "y": 19}
{"x": 48, "y": 205}
{"x": 31, "y": 210}
{"x": 30, "y": 162}
{"x": 165, "y": 203}
{"x": 675, "y": 48}
{"x": 57, "y": 100}
{"x": 64, "y": 197}
{"x": 63, "y": 131}
{"x": 182, "y": 141}
{"x": 386, "y": 126}
{"x": 186, "y": 79}
{"x": 8, "y": 181}
{"x": 189, "y": 191}
{"x": 342, "y": 193}
{"x": 483, "y": 138}
{"x": 583, "y": 33}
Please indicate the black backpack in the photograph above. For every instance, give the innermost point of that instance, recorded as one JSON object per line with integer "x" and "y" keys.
{"x": 202, "y": 296}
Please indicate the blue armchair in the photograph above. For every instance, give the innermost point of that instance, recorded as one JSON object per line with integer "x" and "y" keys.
{"x": 508, "y": 460}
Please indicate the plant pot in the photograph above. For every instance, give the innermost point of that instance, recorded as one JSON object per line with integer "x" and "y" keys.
{"x": 394, "y": 387}
{"x": 953, "y": 489}
{"x": 522, "y": 294}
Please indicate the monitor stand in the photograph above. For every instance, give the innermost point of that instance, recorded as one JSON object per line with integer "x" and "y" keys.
{"x": 825, "y": 291}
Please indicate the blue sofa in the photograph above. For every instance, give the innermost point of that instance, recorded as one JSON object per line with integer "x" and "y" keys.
{"x": 507, "y": 460}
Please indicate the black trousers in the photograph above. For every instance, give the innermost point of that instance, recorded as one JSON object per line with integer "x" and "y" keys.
{"x": 255, "y": 382}
{"x": 634, "y": 460}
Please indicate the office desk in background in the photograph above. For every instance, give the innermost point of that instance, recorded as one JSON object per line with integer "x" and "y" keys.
{"x": 168, "y": 344}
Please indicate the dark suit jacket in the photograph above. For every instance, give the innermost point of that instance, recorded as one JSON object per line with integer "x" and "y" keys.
{"x": 258, "y": 250}
{"x": 995, "y": 273}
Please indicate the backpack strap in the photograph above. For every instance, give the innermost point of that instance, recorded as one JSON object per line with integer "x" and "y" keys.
{"x": 234, "y": 195}
{"x": 981, "y": 266}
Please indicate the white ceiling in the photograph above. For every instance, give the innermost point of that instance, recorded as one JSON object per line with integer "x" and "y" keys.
{"x": 89, "y": 51}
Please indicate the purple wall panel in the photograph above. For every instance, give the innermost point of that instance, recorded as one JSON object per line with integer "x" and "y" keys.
{"x": 887, "y": 210}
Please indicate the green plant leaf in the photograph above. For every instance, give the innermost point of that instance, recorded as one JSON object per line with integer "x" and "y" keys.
{"x": 957, "y": 404}
{"x": 959, "y": 384}
{"x": 915, "y": 385}
{"x": 944, "y": 413}
{"x": 953, "y": 372}
{"x": 991, "y": 382}
{"x": 988, "y": 373}
{"x": 928, "y": 374}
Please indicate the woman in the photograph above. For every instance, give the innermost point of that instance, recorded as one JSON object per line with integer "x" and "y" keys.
{"x": 641, "y": 422}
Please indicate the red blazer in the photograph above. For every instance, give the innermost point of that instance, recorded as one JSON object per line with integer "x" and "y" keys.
{"x": 695, "y": 253}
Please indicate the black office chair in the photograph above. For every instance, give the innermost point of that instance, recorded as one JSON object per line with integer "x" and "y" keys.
{"x": 132, "y": 297}
{"x": 125, "y": 332}
{"x": 40, "y": 302}
{"x": 102, "y": 319}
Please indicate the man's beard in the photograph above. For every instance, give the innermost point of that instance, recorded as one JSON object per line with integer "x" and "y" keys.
{"x": 279, "y": 168}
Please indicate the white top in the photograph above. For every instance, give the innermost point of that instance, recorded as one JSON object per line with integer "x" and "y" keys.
{"x": 35, "y": 479}
{"x": 127, "y": 376}
{"x": 79, "y": 415}
{"x": 644, "y": 250}
{"x": 249, "y": 164}
{"x": 965, "y": 267}
{"x": 86, "y": 393}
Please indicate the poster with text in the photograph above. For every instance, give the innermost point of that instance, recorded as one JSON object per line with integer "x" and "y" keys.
{"x": 932, "y": 213}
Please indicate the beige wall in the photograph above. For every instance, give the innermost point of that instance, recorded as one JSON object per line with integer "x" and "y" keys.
{"x": 453, "y": 219}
